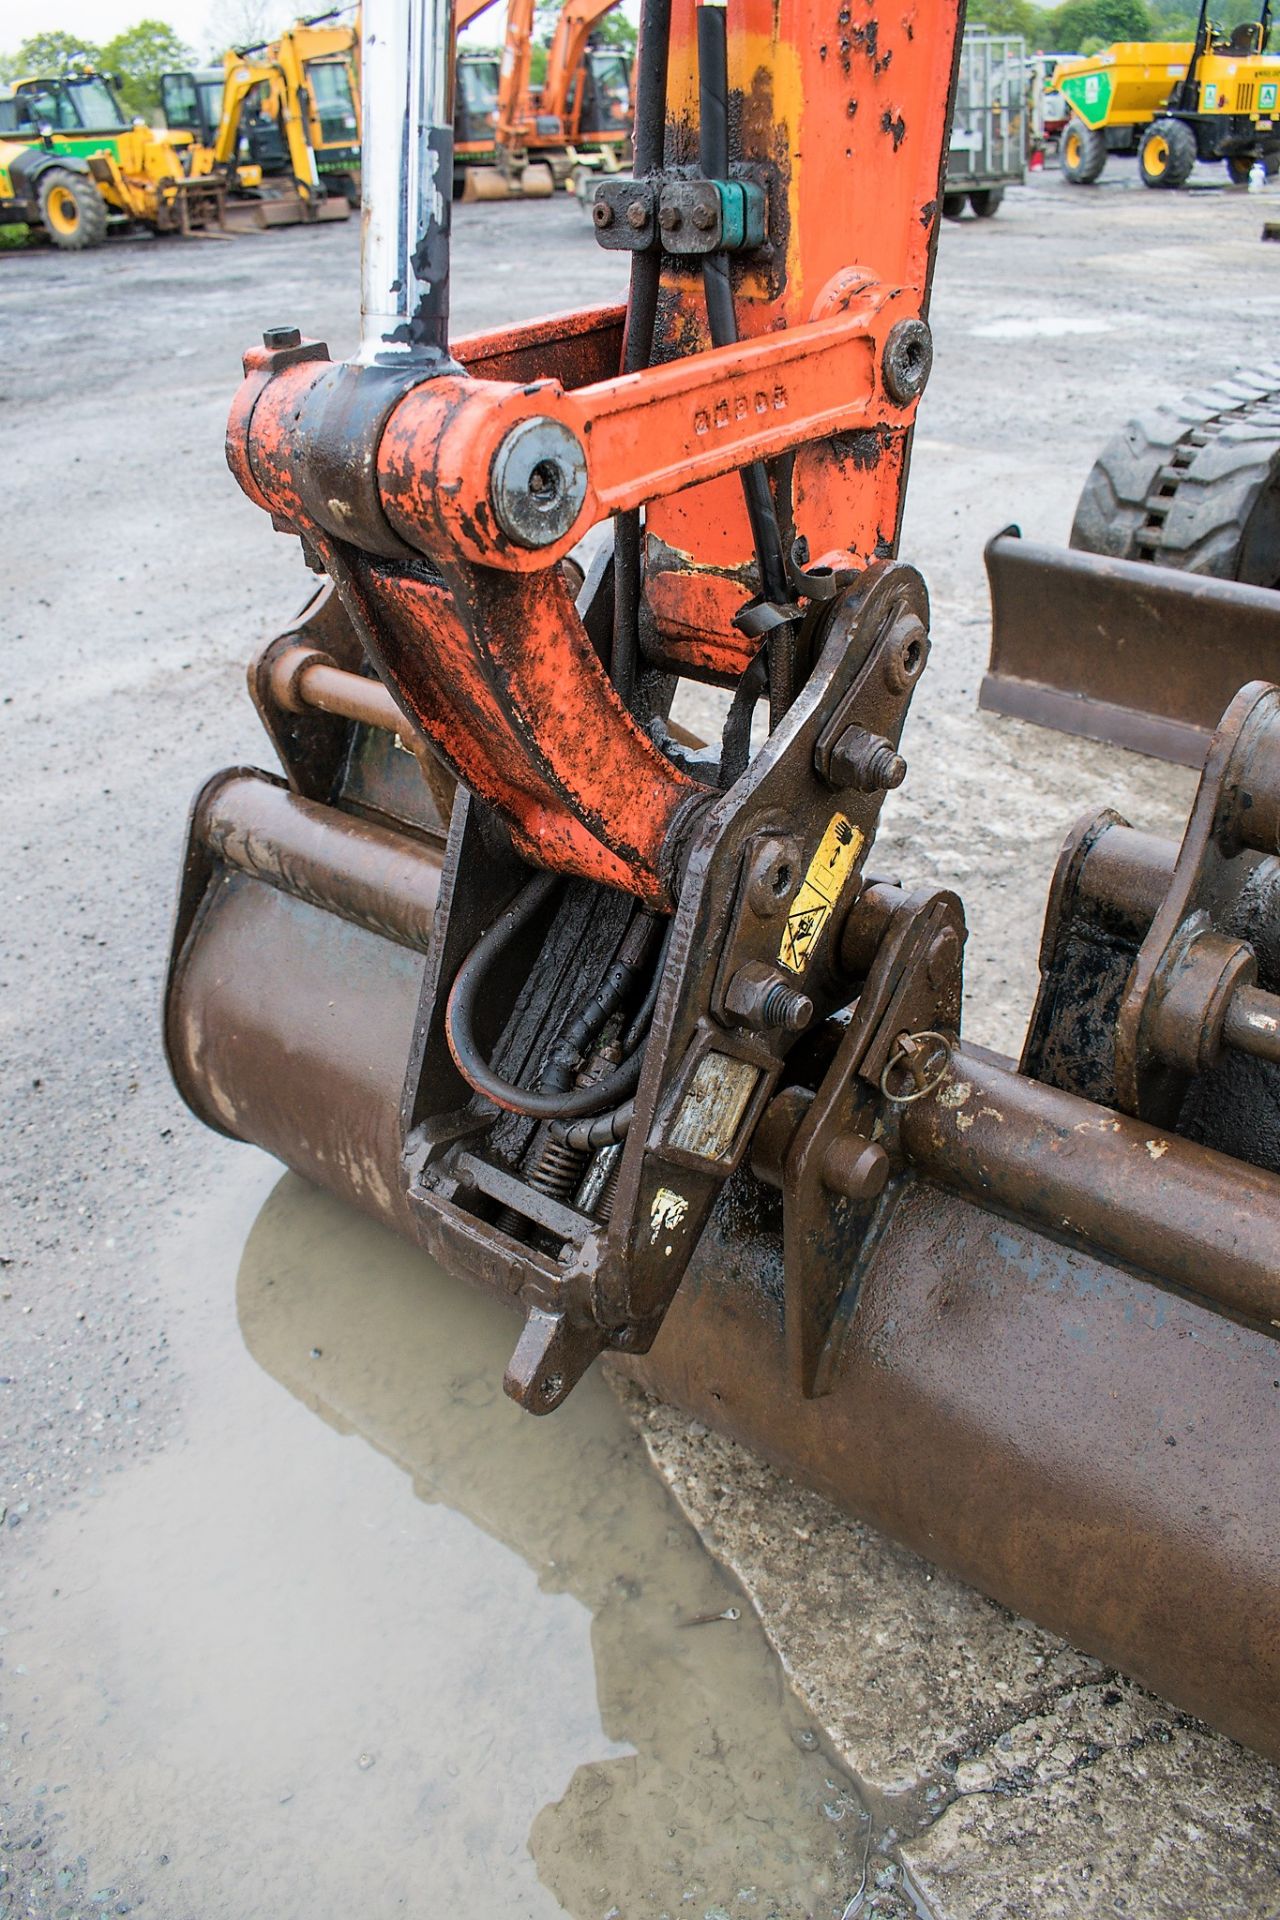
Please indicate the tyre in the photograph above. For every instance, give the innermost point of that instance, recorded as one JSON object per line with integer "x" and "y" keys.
{"x": 952, "y": 206}
{"x": 1082, "y": 152}
{"x": 1166, "y": 154}
{"x": 72, "y": 211}
{"x": 986, "y": 202}
{"x": 1195, "y": 485}
{"x": 1239, "y": 169}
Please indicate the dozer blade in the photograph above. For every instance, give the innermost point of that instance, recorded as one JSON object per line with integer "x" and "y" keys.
{"x": 1141, "y": 656}
{"x": 537, "y": 181}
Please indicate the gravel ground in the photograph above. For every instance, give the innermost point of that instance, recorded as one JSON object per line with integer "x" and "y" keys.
{"x": 137, "y": 580}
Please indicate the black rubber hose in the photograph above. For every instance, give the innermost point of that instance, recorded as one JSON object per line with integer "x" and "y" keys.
{"x": 459, "y": 1026}
{"x": 610, "y": 1127}
{"x": 587, "y": 1136}
{"x": 648, "y": 142}
{"x": 713, "y": 159}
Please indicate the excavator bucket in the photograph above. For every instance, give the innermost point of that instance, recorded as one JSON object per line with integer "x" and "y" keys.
{"x": 485, "y": 183}
{"x": 1166, "y": 600}
{"x": 621, "y": 1028}
{"x": 1141, "y": 656}
{"x": 281, "y": 207}
{"x": 532, "y": 182}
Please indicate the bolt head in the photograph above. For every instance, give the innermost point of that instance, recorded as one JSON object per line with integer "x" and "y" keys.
{"x": 704, "y": 218}
{"x": 637, "y": 214}
{"x": 275, "y": 338}
{"x": 669, "y": 219}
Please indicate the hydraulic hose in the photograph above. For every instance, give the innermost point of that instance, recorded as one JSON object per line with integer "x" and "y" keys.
{"x": 713, "y": 159}
{"x": 459, "y": 1024}
{"x": 648, "y": 138}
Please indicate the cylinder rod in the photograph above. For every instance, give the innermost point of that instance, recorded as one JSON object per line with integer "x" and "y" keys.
{"x": 406, "y": 79}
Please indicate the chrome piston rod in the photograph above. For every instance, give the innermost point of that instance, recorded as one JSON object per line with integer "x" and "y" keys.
{"x": 406, "y": 81}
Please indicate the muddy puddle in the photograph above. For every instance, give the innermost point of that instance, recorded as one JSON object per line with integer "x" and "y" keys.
{"x": 369, "y": 1641}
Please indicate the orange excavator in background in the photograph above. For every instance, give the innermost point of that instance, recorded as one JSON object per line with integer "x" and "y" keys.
{"x": 512, "y": 137}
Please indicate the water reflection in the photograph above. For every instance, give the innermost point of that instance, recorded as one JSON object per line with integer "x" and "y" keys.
{"x": 271, "y": 1673}
{"x": 711, "y": 1795}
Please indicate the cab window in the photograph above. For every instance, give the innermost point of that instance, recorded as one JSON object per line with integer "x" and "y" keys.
{"x": 96, "y": 106}
{"x": 331, "y": 101}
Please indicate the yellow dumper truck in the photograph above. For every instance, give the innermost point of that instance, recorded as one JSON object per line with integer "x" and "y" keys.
{"x": 1173, "y": 103}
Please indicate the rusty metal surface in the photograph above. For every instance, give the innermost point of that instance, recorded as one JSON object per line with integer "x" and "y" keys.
{"x": 1148, "y": 1198}
{"x": 754, "y": 938}
{"x": 1090, "y": 1449}
{"x": 1160, "y": 967}
{"x": 1141, "y": 656}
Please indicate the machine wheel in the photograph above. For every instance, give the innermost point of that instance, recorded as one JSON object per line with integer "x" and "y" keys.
{"x": 986, "y": 202}
{"x": 952, "y": 206}
{"x": 1082, "y": 152}
{"x": 1195, "y": 485}
{"x": 1167, "y": 154}
{"x": 72, "y": 210}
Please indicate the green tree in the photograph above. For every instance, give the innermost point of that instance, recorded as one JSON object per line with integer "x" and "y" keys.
{"x": 1102, "y": 20}
{"x": 615, "y": 30}
{"x": 140, "y": 55}
{"x": 51, "y": 54}
{"x": 1009, "y": 16}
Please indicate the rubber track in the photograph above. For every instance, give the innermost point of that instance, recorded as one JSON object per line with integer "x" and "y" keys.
{"x": 1177, "y": 485}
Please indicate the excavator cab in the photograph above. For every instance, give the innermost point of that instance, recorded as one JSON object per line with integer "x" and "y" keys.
{"x": 81, "y": 103}
{"x": 191, "y": 102}
{"x": 600, "y": 98}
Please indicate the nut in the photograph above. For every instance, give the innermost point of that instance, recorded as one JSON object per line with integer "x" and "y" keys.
{"x": 602, "y": 213}
{"x": 866, "y": 761}
{"x": 760, "y": 996}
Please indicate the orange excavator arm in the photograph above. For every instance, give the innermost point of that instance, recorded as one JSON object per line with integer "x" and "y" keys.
{"x": 568, "y": 44}
{"x": 513, "y": 84}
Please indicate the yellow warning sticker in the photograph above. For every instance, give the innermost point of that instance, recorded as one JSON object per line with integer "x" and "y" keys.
{"x": 821, "y": 888}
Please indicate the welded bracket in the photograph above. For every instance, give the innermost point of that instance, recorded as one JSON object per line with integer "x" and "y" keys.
{"x": 837, "y": 1164}
{"x": 1193, "y": 988}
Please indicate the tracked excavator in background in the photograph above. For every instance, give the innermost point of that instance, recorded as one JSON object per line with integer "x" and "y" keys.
{"x": 280, "y": 127}
{"x": 515, "y": 138}
{"x": 637, "y": 1032}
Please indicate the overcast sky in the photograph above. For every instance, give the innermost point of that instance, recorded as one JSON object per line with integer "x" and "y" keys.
{"x": 203, "y": 23}
{"x": 207, "y": 25}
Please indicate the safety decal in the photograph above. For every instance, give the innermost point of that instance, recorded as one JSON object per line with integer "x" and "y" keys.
{"x": 821, "y": 888}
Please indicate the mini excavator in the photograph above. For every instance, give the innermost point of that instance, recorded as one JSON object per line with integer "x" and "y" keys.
{"x": 628, "y": 1027}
